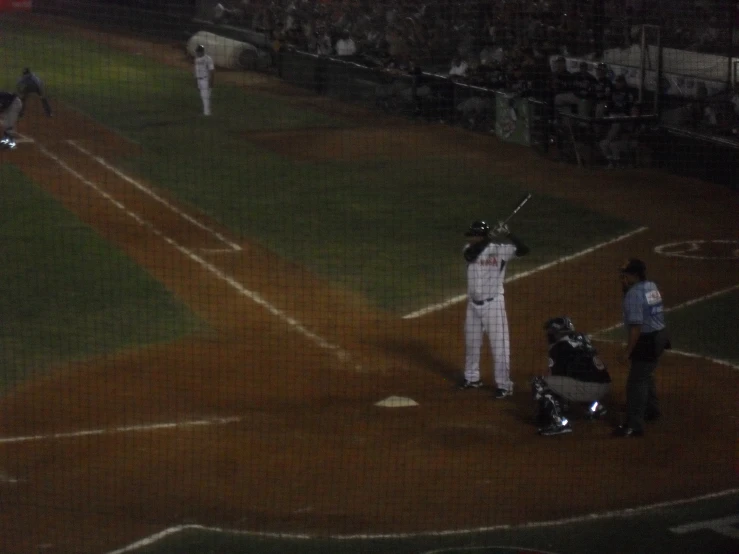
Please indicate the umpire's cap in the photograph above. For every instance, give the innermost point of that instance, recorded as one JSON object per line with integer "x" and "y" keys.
{"x": 634, "y": 266}
{"x": 478, "y": 229}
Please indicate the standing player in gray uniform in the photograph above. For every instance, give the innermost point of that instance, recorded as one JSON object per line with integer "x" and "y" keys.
{"x": 28, "y": 84}
{"x": 487, "y": 258}
{"x": 204, "y": 76}
{"x": 644, "y": 320}
{"x": 10, "y": 107}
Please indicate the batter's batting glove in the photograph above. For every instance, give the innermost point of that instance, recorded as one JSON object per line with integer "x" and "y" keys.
{"x": 501, "y": 230}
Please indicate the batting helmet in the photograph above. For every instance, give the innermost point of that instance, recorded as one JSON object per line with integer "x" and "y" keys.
{"x": 200, "y": 49}
{"x": 478, "y": 229}
{"x": 557, "y": 326}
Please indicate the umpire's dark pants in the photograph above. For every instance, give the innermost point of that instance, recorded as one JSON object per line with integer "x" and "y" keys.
{"x": 641, "y": 393}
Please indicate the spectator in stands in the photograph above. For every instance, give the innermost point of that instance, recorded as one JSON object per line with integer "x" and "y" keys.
{"x": 734, "y": 98}
{"x": 583, "y": 84}
{"x": 562, "y": 86}
{"x": 459, "y": 67}
{"x": 622, "y": 97}
{"x": 702, "y": 114}
{"x": 601, "y": 89}
{"x": 620, "y": 103}
{"x": 491, "y": 55}
{"x": 323, "y": 41}
{"x": 346, "y": 46}
{"x": 622, "y": 148}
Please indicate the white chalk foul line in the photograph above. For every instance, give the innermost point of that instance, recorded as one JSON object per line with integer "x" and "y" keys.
{"x": 232, "y": 246}
{"x": 703, "y": 298}
{"x": 628, "y": 512}
{"x": 255, "y": 297}
{"x": 463, "y": 297}
{"x": 19, "y": 138}
{"x": 716, "y": 361}
{"x": 122, "y": 429}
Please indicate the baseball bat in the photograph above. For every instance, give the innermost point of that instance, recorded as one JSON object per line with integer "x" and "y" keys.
{"x": 521, "y": 203}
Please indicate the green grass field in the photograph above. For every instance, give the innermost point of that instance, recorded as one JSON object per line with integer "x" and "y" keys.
{"x": 389, "y": 229}
{"x": 66, "y": 293}
{"x": 637, "y": 532}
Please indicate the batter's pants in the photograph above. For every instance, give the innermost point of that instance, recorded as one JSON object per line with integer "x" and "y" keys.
{"x": 489, "y": 318}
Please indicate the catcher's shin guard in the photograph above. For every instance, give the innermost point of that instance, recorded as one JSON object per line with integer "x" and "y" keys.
{"x": 549, "y": 409}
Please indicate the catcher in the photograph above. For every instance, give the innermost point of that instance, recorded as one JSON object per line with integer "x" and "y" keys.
{"x": 576, "y": 374}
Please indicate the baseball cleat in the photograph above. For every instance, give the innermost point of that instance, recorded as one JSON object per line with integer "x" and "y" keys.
{"x": 503, "y": 393}
{"x": 555, "y": 429}
{"x": 470, "y": 385}
{"x": 8, "y": 143}
{"x": 596, "y": 411}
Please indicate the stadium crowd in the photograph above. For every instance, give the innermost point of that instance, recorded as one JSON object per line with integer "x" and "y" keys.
{"x": 505, "y": 45}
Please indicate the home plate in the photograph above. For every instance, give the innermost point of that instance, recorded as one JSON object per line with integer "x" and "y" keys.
{"x": 5, "y": 478}
{"x": 396, "y": 402}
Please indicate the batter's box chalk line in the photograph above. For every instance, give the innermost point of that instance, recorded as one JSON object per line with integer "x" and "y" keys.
{"x": 19, "y": 138}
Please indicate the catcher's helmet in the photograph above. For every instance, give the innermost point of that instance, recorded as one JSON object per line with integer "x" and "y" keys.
{"x": 200, "y": 50}
{"x": 558, "y": 325}
{"x": 478, "y": 229}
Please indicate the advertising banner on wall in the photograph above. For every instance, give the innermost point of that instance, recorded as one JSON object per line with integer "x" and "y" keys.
{"x": 15, "y": 5}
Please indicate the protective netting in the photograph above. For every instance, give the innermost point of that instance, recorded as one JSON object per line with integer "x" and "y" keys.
{"x": 351, "y": 276}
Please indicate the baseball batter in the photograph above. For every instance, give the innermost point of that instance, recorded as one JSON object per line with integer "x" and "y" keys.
{"x": 10, "y": 108}
{"x": 204, "y": 76}
{"x": 487, "y": 258}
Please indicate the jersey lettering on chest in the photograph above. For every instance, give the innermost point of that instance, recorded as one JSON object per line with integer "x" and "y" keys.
{"x": 490, "y": 260}
{"x": 653, "y": 297}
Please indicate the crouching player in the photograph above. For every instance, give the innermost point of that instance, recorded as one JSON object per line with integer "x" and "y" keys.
{"x": 576, "y": 375}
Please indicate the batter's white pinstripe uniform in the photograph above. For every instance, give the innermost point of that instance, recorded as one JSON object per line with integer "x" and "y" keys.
{"x": 487, "y": 261}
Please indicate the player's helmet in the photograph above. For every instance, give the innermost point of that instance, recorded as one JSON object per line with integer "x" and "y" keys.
{"x": 558, "y": 326}
{"x": 478, "y": 229}
{"x": 200, "y": 50}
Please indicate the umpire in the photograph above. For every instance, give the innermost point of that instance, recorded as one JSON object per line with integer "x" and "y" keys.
{"x": 30, "y": 83}
{"x": 644, "y": 320}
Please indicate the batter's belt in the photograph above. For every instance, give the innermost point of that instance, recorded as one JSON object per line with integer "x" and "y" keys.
{"x": 483, "y": 302}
